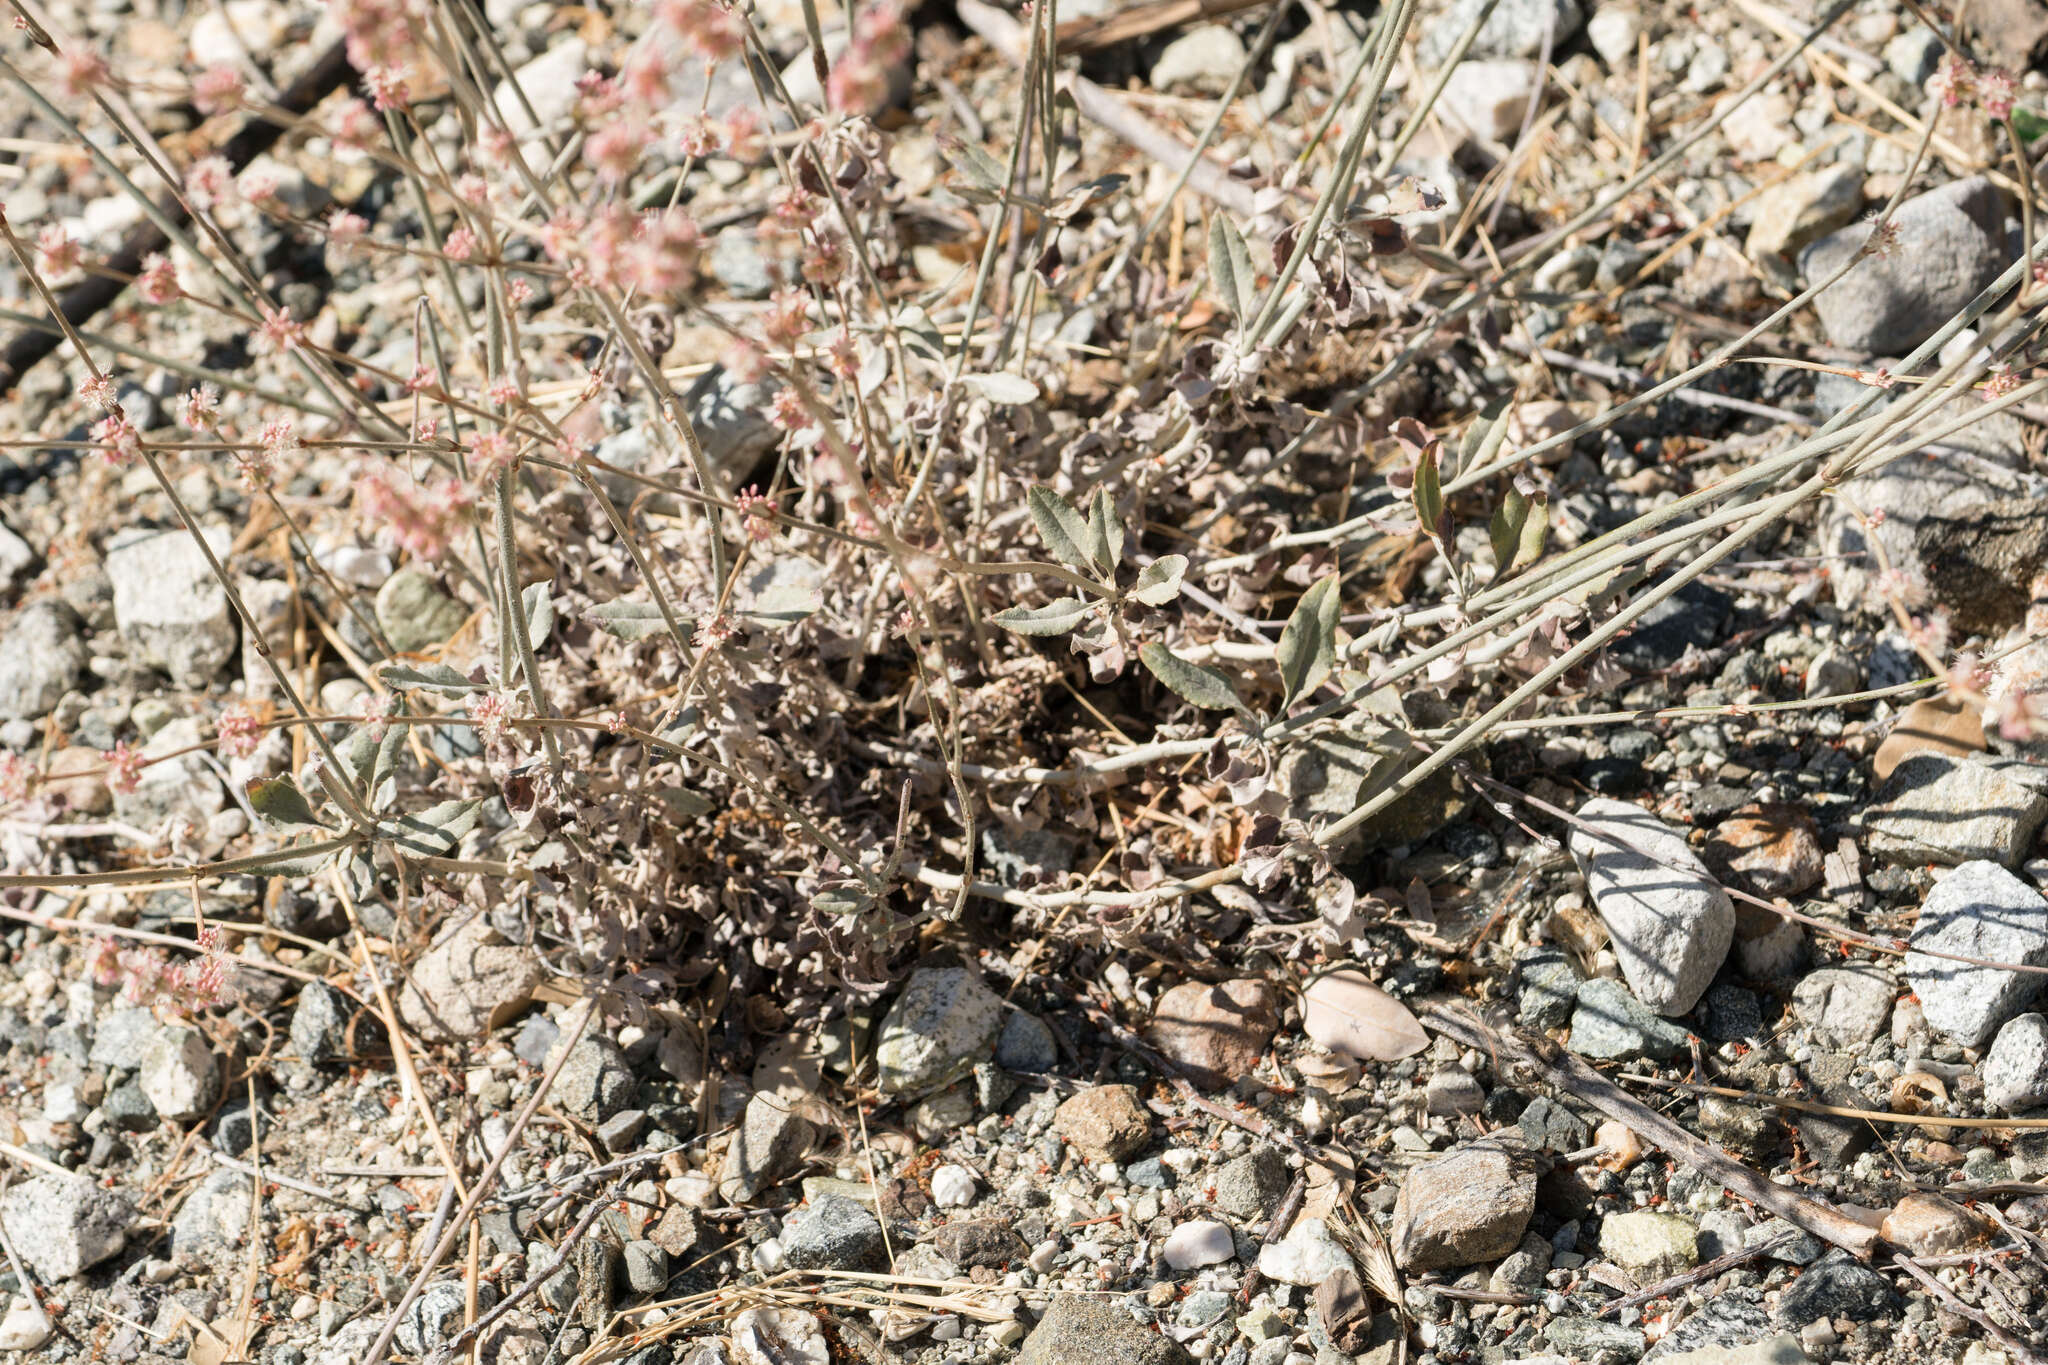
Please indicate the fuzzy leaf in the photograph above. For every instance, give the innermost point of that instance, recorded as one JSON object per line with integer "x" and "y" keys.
{"x": 628, "y": 621}
{"x": 1194, "y": 683}
{"x": 434, "y": 677}
{"x": 1534, "y": 528}
{"x": 1484, "y": 438}
{"x": 1505, "y": 530}
{"x": 1054, "y": 618}
{"x": 982, "y": 171}
{"x": 1428, "y": 493}
{"x": 1105, "y": 532}
{"x": 1230, "y": 267}
{"x": 290, "y": 862}
{"x": 1159, "y": 582}
{"x": 1064, "y": 530}
{"x": 1308, "y": 646}
{"x": 783, "y": 591}
{"x": 540, "y": 614}
{"x": 384, "y": 769}
{"x": 279, "y": 803}
{"x": 1002, "y": 388}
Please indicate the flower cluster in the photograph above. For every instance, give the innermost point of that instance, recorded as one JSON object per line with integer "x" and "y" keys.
{"x": 124, "y": 768}
{"x": 880, "y": 44}
{"x": 240, "y": 731}
{"x": 144, "y": 974}
{"x": 421, "y": 519}
{"x": 1959, "y": 82}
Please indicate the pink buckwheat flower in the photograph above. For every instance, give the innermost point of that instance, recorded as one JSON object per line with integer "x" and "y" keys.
{"x": 118, "y": 439}
{"x": 707, "y": 28}
{"x": 218, "y": 90}
{"x": 158, "y": 282}
{"x": 85, "y": 72}
{"x": 281, "y": 332}
{"x": 14, "y": 778}
{"x": 880, "y": 45}
{"x": 422, "y": 520}
{"x": 124, "y": 768}
{"x": 198, "y": 408}
{"x": 757, "y": 511}
{"x": 98, "y": 393}
{"x": 56, "y": 251}
{"x": 614, "y": 151}
{"x": 491, "y": 455}
{"x": 209, "y": 181}
{"x": 239, "y": 732}
{"x": 460, "y": 245}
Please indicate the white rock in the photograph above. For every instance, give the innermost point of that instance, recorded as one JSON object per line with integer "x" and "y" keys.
{"x": 779, "y": 1336}
{"x": 226, "y": 35}
{"x": 1487, "y": 98}
{"x": 1759, "y": 128}
{"x": 1205, "y": 59}
{"x": 1612, "y": 30}
{"x": 953, "y": 1187}
{"x": 17, "y": 557}
{"x": 1670, "y": 921}
{"x": 2015, "y": 1071}
{"x": 169, "y": 607}
{"x": 1982, "y": 911}
{"x": 24, "y": 1328}
{"x": 1197, "y": 1244}
{"x": 549, "y": 82}
{"x": 180, "y": 1074}
{"x": 1306, "y": 1256}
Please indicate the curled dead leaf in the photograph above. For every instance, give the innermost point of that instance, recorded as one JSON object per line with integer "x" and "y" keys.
{"x": 1346, "y": 1013}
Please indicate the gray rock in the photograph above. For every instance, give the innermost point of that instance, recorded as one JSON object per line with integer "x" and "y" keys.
{"x": 1742, "y": 1128}
{"x": 1027, "y": 857}
{"x": 1951, "y": 244}
{"x": 739, "y": 263}
{"x": 64, "y": 1225}
{"x": 1585, "y": 1338}
{"x": 1612, "y": 31}
{"x": 1835, "y": 1286}
{"x": 646, "y": 1267}
{"x": 1826, "y": 1138}
{"x": 2015, "y": 1071}
{"x": 596, "y": 1081}
{"x": 1782, "y": 1349}
{"x": 1980, "y": 910}
{"x": 767, "y": 1146}
{"x": 1731, "y": 1320}
{"x": 180, "y": 1074}
{"x": 1026, "y": 1044}
{"x": 127, "y": 1109}
{"x": 942, "y": 1023}
{"x": 1076, "y": 1329}
{"x": 1913, "y": 54}
{"x": 1948, "y": 809}
{"x": 1248, "y": 1186}
{"x": 1324, "y": 776}
{"x": 1549, "y": 990}
{"x": 41, "y": 658}
{"x": 1470, "y": 1205}
{"x": 619, "y": 1132}
{"x": 1489, "y": 98}
{"x": 1515, "y": 30}
{"x": 536, "y": 1038}
{"x": 1452, "y": 1092}
{"x": 181, "y": 788}
{"x": 169, "y": 607}
{"x": 1670, "y": 921}
{"x": 1610, "y": 1024}
{"x": 119, "y": 1040}
{"x": 1548, "y": 1126}
{"x": 17, "y": 559}
{"x": 468, "y": 984}
{"x": 1845, "y": 1006}
{"x": 319, "y": 1028}
{"x": 1800, "y": 208}
{"x": 436, "y": 1316}
{"x": 1721, "y": 1232}
{"x": 415, "y": 614}
{"x": 732, "y": 420}
{"x": 1804, "y": 1249}
{"x": 833, "y": 1233}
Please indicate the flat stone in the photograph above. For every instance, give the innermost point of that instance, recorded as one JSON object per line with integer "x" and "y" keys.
{"x": 24, "y": 1328}
{"x": 1248, "y": 1186}
{"x": 1980, "y": 910}
{"x": 1104, "y": 1123}
{"x": 1951, "y": 243}
{"x": 65, "y": 1225}
{"x": 1610, "y": 1024}
{"x": 1726, "y": 1321}
{"x": 833, "y": 1233}
{"x": 1932, "y": 725}
{"x": 1586, "y": 1338}
{"x": 1473, "y": 1204}
{"x": 415, "y": 614}
{"x": 1928, "y": 1225}
{"x": 1452, "y": 1092}
{"x": 1670, "y": 921}
{"x": 42, "y": 656}
{"x": 1306, "y": 1256}
{"x": 1549, "y": 989}
{"x": 1215, "y": 1032}
{"x": 1774, "y": 850}
{"x": 1835, "y": 1286}
{"x": 319, "y": 1027}
{"x": 1782, "y": 1349}
{"x": 1845, "y": 1007}
{"x": 1940, "y": 808}
{"x": 1650, "y": 1245}
{"x": 468, "y": 984}
{"x": 1828, "y": 1077}
{"x": 1076, "y": 1329}
{"x": 770, "y": 1139}
{"x": 1742, "y": 1128}
{"x": 175, "y": 786}
{"x": 1515, "y": 29}
{"x": 1800, "y": 208}
{"x": 942, "y": 1023}
{"x": 170, "y": 608}
{"x": 972, "y": 1242}
{"x": 1200, "y": 1243}
{"x": 2015, "y": 1070}
{"x": 1487, "y": 98}
{"x": 1346, "y": 1013}
{"x": 180, "y": 1074}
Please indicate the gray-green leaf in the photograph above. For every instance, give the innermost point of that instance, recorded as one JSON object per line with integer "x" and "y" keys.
{"x": 1429, "y": 492}
{"x": 1308, "y": 646}
{"x": 1483, "y": 439}
{"x": 1105, "y": 533}
{"x": 628, "y": 621}
{"x": 783, "y": 591}
{"x": 540, "y": 614}
{"x": 279, "y": 803}
{"x": 1064, "y": 530}
{"x": 1159, "y": 582}
{"x": 1230, "y": 267}
{"x": 1054, "y": 618}
{"x": 1003, "y": 388}
{"x": 1194, "y": 683}
{"x": 440, "y": 678}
